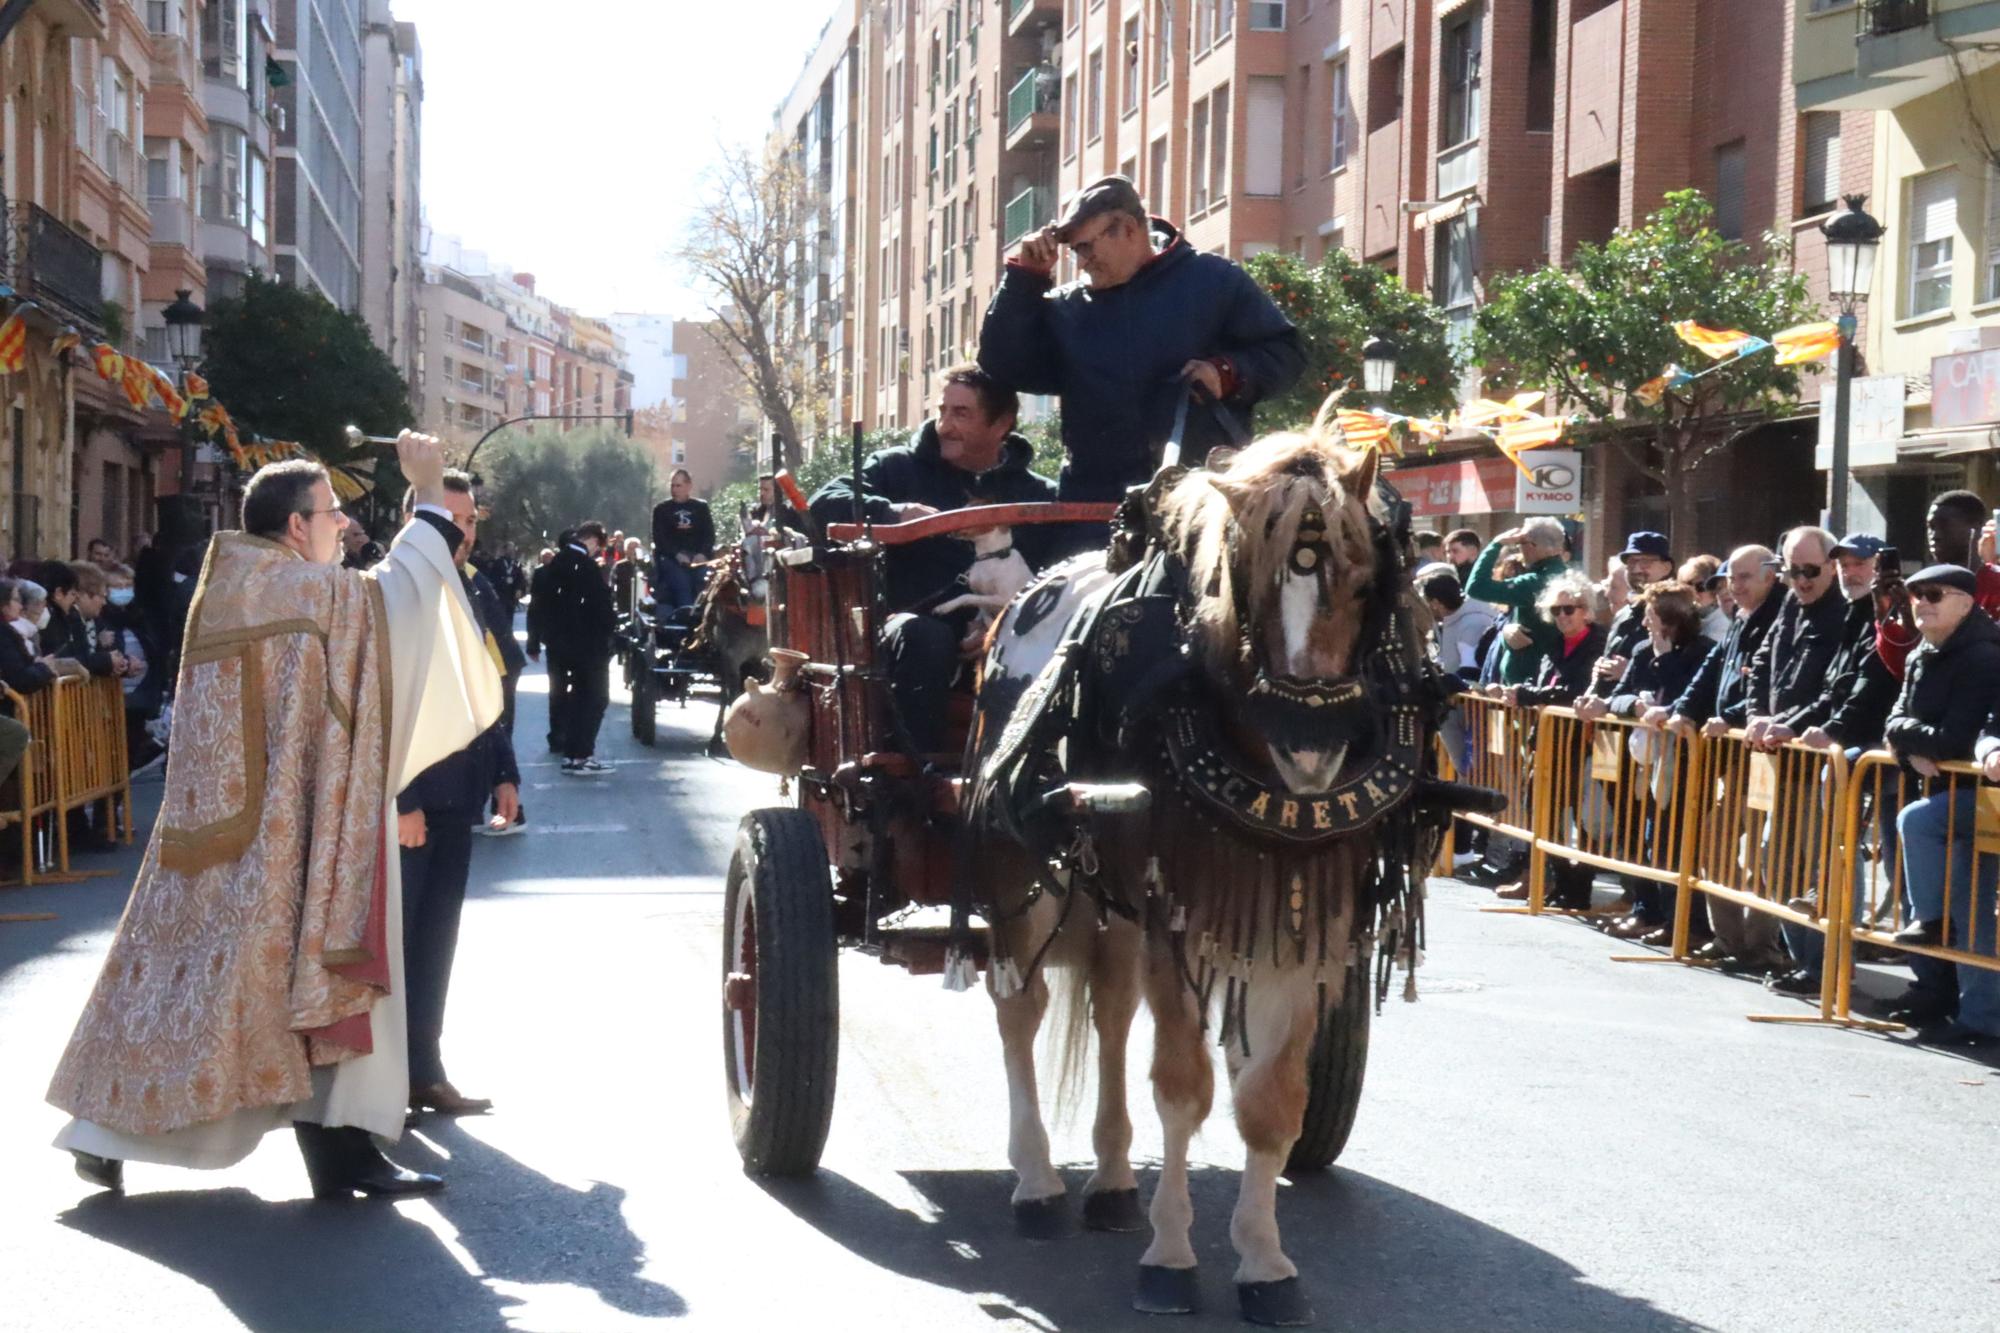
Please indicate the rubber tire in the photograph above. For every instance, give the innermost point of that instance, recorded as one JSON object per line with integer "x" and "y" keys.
{"x": 1334, "y": 1073}
{"x": 781, "y": 860}
{"x": 645, "y": 706}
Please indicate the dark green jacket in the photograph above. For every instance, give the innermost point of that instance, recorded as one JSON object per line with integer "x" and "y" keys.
{"x": 1519, "y": 595}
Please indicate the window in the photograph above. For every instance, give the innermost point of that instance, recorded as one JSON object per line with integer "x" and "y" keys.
{"x": 1156, "y": 182}
{"x": 160, "y": 17}
{"x": 1267, "y": 15}
{"x": 1069, "y": 139}
{"x": 1128, "y": 90}
{"x": 1460, "y": 73}
{"x": 1264, "y": 137}
{"x": 1093, "y": 112}
{"x": 163, "y": 169}
{"x": 1455, "y": 265}
{"x": 1932, "y": 218}
{"x": 1163, "y": 41}
{"x": 1992, "y": 292}
{"x": 1729, "y": 190}
{"x": 1822, "y": 182}
{"x": 1218, "y": 141}
{"x": 1198, "y": 159}
{"x": 1343, "y": 114}
{"x": 1542, "y": 66}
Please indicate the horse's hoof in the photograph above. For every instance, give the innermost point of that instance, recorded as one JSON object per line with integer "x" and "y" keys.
{"x": 1041, "y": 1219}
{"x": 1280, "y": 1304}
{"x": 1114, "y": 1210}
{"x": 1164, "y": 1290}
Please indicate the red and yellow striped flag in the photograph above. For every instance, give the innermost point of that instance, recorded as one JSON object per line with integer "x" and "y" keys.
{"x": 13, "y": 344}
{"x": 108, "y": 364}
{"x": 1517, "y": 437}
{"x": 67, "y": 340}
{"x": 1719, "y": 343}
{"x": 1364, "y": 430}
{"x": 1806, "y": 342}
{"x": 163, "y": 385}
{"x": 136, "y": 379}
{"x": 197, "y": 386}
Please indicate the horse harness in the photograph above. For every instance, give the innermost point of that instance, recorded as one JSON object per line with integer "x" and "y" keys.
{"x": 1123, "y": 700}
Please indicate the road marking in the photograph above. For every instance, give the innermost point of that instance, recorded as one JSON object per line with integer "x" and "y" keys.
{"x": 579, "y": 828}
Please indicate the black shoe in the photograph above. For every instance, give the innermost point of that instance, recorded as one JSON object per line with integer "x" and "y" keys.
{"x": 1713, "y": 952}
{"x": 1799, "y": 982}
{"x": 344, "y": 1161}
{"x": 1918, "y": 1008}
{"x": 1486, "y": 874}
{"x": 107, "y": 1173}
{"x": 1929, "y": 933}
{"x": 1662, "y": 936}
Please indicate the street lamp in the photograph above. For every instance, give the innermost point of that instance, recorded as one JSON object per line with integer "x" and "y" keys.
{"x": 1852, "y": 238}
{"x": 1378, "y": 367}
{"x": 184, "y": 319}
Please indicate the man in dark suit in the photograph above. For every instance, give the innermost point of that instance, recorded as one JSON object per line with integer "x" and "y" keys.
{"x": 576, "y": 626}
{"x": 435, "y": 817}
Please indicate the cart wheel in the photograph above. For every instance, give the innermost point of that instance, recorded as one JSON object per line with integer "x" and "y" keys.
{"x": 1333, "y": 1079}
{"x": 780, "y": 993}
{"x": 645, "y": 704}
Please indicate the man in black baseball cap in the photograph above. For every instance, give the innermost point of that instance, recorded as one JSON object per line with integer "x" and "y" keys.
{"x": 1646, "y": 561}
{"x": 1152, "y": 318}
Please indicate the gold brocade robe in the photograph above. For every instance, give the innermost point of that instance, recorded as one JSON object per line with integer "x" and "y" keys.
{"x": 257, "y": 941}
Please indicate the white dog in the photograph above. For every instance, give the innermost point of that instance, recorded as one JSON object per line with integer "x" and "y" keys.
{"x": 998, "y": 572}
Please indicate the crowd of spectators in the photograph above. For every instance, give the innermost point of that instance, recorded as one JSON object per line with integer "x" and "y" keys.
{"x": 1825, "y": 644}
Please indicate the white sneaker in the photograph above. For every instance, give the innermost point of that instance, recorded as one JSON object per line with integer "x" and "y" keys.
{"x": 1461, "y": 860}
{"x": 592, "y": 766}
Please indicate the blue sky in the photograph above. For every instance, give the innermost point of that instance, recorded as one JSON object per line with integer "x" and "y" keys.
{"x": 567, "y": 140}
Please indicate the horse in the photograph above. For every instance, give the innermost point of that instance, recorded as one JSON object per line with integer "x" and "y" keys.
{"x": 1261, "y": 675}
{"x": 730, "y": 633}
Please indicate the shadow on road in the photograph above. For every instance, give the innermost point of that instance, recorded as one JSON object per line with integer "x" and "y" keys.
{"x": 363, "y": 1265}
{"x": 1372, "y": 1256}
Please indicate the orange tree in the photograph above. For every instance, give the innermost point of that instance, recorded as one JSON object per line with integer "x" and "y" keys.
{"x": 1338, "y": 304}
{"x": 1593, "y": 333}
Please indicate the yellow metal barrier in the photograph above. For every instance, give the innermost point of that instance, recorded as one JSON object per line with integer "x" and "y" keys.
{"x": 1610, "y": 795}
{"x": 92, "y": 762}
{"x": 1502, "y": 744}
{"x": 1767, "y": 836}
{"x": 36, "y": 777}
{"x": 1966, "y": 811}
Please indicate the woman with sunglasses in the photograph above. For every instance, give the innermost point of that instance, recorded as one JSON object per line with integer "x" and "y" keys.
{"x": 1570, "y": 602}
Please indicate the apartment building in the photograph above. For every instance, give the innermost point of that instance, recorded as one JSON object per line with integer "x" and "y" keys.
{"x": 392, "y": 99}
{"x": 464, "y": 373}
{"x": 317, "y": 222}
{"x": 1926, "y": 73}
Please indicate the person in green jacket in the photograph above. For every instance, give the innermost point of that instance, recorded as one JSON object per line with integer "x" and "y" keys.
{"x": 1528, "y": 637}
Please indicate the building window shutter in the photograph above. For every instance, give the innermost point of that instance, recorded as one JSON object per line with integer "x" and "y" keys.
{"x": 1729, "y": 190}
{"x": 1933, "y": 218}
{"x": 1264, "y": 138}
{"x": 1822, "y": 183}
{"x": 1992, "y": 267}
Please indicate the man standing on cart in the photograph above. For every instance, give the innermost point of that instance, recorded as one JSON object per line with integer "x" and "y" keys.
{"x": 683, "y": 536}
{"x": 969, "y": 454}
{"x": 1120, "y": 348}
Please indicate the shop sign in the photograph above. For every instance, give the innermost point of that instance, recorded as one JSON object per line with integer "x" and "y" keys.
{"x": 1965, "y": 388}
{"x": 1551, "y": 484}
{"x": 1466, "y": 486}
{"x": 1874, "y": 422}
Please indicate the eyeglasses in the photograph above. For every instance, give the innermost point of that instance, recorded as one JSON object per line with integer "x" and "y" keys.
{"x": 1082, "y": 249}
{"x": 1802, "y": 573}
{"x": 1569, "y": 610}
{"x": 315, "y": 513}
{"x": 1932, "y": 593}
{"x": 1714, "y": 582}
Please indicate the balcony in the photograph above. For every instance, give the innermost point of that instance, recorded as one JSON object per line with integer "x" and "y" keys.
{"x": 1033, "y": 104}
{"x": 57, "y": 267}
{"x": 1028, "y": 211}
{"x": 1028, "y": 15}
{"x": 1458, "y": 169}
{"x": 1902, "y": 50}
{"x": 72, "y": 18}
{"x": 1880, "y": 18}
{"x": 173, "y": 221}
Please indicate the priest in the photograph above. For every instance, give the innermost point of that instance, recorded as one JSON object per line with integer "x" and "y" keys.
{"x": 257, "y": 976}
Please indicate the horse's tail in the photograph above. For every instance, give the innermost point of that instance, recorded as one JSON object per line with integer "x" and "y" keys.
{"x": 1071, "y": 1035}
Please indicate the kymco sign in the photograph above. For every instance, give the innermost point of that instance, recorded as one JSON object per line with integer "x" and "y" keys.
{"x": 1553, "y": 483}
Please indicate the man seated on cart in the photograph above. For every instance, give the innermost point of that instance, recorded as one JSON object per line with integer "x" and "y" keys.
{"x": 969, "y": 454}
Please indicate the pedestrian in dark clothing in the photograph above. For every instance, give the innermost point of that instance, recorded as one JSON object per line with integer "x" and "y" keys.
{"x": 576, "y": 625}
{"x": 19, "y": 671}
{"x": 436, "y": 813}
{"x": 1121, "y": 348}
{"x": 1646, "y": 562}
{"x": 968, "y": 455}
{"x": 1789, "y": 671}
{"x": 76, "y": 596}
{"x": 1718, "y": 697}
{"x": 683, "y": 533}
{"x": 1567, "y": 672}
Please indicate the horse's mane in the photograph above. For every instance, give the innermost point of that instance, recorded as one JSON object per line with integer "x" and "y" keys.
{"x": 1235, "y": 527}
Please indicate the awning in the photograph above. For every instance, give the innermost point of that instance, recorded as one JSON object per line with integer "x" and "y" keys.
{"x": 1951, "y": 443}
{"x": 1447, "y": 210}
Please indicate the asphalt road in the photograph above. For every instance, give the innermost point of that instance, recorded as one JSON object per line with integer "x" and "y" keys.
{"x": 1549, "y": 1140}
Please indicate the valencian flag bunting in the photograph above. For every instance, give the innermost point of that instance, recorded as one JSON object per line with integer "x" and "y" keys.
{"x": 13, "y": 344}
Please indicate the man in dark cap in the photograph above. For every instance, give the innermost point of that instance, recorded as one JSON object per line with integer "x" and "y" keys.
{"x": 1646, "y": 561}
{"x": 1121, "y": 348}
{"x": 1951, "y": 685}
{"x": 1954, "y": 529}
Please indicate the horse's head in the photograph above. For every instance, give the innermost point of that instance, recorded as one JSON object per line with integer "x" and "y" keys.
{"x": 1282, "y": 570}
